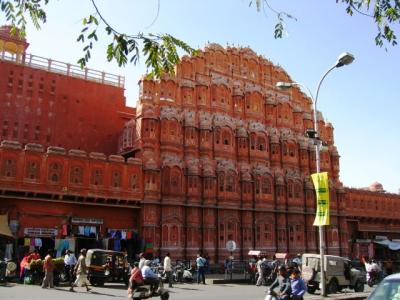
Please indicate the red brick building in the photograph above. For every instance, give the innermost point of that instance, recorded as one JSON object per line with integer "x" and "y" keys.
{"x": 211, "y": 154}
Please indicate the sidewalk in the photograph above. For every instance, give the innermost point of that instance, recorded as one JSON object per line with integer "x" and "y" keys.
{"x": 239, "y": 279}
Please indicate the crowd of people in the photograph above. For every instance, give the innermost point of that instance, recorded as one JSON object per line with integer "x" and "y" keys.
{"x": 285, "y": 277}
{"x": 75, "y": 270}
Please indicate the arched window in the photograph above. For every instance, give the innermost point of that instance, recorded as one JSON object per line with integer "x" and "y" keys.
{"x": 97, "y": 177}
{"x": 261, "y": 144}
{"x": 134, "y": 182}
{"x": 252, "y": 141}
{"x": 297, "y": 190}
{"x": 258, "y": 185}
{"x": 76, "y": 175}
{"x": 217, "y": 135}
{"x": 174, "y": 235}
{"x": 230, "y": 184}
{"x": 9, "y": 168}
{"x": 290, "y": 189}
{"x": 173, "y": 128}
{"x": 221, "y": 182}
{"x": 226, "y": 138}
{"x": 32, "y": 170}
{"x": 266, "y": 186}
{"x": 166, "y": 180}
{"x": 176, "y": 179}
{"x": 55, "y": 171}
{"x": 116, "y": 179}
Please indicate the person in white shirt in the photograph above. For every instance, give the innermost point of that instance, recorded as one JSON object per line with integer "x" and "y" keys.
{"x": 371, "y": 267}
{"x": 260, "y": 270}
{"x": 141, "y": 261}
{"x": 168, "y": 269}
{"x": 69, "y": 262}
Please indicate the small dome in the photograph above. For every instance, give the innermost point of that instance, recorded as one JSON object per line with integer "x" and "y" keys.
{"x": 376, "y": 187}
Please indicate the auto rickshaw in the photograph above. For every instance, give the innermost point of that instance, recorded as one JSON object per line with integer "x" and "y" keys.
{"x": 107, "y": 266}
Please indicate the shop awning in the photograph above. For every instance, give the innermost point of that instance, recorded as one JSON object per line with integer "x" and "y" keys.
{"x": 390, "y": 244}
{"x": 281, "y": 255}
{"x": 4, "y": 229}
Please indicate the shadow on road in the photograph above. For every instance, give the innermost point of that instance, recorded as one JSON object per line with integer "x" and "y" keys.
{"x": 92, "y": 292}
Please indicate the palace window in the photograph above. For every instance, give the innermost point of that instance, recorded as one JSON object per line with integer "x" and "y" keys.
{"x": 55, "y": 171}
{"x": 116, "y": 179}
{"x": 97, "y": 177}
{"x": 134, "y": 182}
{"x": 32, "y": 170}
{"x": 266, "y": 186}
{"x": 9, "y": 167}
{"x": 76, "y": 175}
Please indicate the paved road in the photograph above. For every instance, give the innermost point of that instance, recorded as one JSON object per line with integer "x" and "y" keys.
{"x": 115, "y": 291}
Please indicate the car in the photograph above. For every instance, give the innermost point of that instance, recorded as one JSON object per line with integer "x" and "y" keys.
{"x": 388, "y": 289}
{"x": 339, "y": 273}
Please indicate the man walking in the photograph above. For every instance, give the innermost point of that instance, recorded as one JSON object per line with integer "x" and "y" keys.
{"x": 81, "y": 272}
{"x": 200, "y": 262}
{"x": 168, "y": 269}
{"x": 48, "y": 268}
{"x": 261, "y": 263}
{"x": 69, "y": 262}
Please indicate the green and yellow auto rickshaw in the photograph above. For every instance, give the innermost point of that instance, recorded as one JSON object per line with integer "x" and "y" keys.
{"x": 107, "y": 266}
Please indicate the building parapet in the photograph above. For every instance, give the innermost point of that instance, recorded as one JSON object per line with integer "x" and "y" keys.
{"x": 54, "y": 66}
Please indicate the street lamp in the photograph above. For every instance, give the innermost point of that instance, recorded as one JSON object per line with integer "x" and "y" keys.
{"x": 343, "y": 60}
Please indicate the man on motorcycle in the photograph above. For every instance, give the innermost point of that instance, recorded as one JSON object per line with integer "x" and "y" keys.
{"x": 283, "y": 282}
{"x": 373, "y": 271}
{"x": 135, "y": 280}
{"x": 149, "y": 276}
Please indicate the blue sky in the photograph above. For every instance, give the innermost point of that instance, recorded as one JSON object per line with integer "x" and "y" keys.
{"x": 361, "y": 100}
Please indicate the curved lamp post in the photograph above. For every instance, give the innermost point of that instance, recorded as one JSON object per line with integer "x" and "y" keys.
{"x": 343, "y": 60}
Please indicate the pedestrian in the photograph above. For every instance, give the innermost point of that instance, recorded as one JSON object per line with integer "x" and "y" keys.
{"x": 283, "y": 283}
{"x": 200, "y": 262}
{"x": 23, "y": 267}
{"x": 297, "y": 261}
{"x": 48, "y": 268}
{"x": 69, "y": 262}
{"x": 168, "y": 269}
{"x": 261, "y": 270}
{"x": 80, "y": 271}
{"x": 142, "y": 259}
{"x": 298, "y": 286}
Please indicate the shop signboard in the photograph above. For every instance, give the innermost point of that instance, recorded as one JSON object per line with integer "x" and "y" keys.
{"x": 90, "y": 221}
{"x": 363, "y": 241}
{"x": 40, "y": 232}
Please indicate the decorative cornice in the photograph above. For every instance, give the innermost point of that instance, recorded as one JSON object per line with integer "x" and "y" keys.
{"x": 11, "y": 145}
{"x": 169, "y": 112}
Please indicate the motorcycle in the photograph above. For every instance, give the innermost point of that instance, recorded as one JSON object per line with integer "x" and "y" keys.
{"x": 8, "y": 270}
{"x": 374, "y": 278}
{"x": 147, "y": 291}
{"x": 271, "y": 295}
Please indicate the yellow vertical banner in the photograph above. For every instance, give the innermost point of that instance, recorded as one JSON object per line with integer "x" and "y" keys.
{"x": 320, "y": 181}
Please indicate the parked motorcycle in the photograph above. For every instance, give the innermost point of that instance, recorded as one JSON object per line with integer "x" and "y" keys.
{"x": 3, "y": 270}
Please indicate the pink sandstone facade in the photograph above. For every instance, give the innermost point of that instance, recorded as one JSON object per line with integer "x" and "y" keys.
{"x": 211, "y": 154}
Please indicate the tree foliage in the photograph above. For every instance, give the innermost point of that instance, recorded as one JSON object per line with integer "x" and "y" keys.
{"x": 161, "y": 50}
